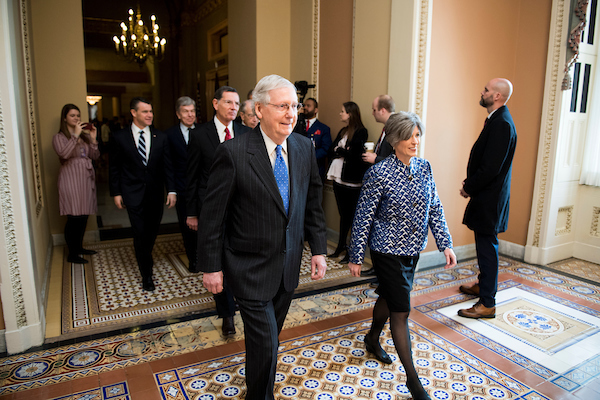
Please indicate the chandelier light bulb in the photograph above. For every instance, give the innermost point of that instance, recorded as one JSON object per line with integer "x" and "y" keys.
{"x": 131, "y": 11}
{"x": 123, "y": 38}
{"x": 153, "y": 17}
{"x": 133, "y": 37}
{"x": 145, "y": 37}
{"x": 163, "y": 41}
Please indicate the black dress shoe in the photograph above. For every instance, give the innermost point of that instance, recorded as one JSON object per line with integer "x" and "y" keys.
{"x": 88, "y": 252}
{"x": 377, "y": 351}
{"x": 148, "y": 284}
{"x": 346, "y": 259}
{"x": 337, "y": 253}
{"x": 77, "y": 260}
{"x": 228, "y": 326}
{"x": 369, "y": 272}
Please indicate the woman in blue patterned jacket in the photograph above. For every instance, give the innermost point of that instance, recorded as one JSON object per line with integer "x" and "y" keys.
{"x": 397, "y": 205}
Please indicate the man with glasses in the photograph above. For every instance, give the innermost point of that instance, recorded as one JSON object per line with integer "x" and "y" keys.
{"x": 201, "y": 150}
{"x": 263, "y": 201}
{"x": 247, "y": 114}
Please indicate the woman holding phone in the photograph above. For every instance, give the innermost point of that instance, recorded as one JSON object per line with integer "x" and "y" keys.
{"x": 76, "y": 146}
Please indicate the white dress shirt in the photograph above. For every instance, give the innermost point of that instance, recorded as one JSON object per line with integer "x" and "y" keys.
{"x": 221, "y": 129}
{"x": 136, "y": 137}
{"x": 271, "y": 146}
{"x": 185, "y": 131}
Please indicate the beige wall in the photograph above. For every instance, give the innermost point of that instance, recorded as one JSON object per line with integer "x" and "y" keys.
{"x": 371, "y": 58}
{"x": 57, "y": 40}
{"x": 472, "y": 42}
{"x": 335, "y": 77}
{"x": 241, "y": 16}
{"x": 273, "y": 37}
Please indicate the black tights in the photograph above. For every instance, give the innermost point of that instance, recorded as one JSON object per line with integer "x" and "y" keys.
{"x": 401, "y": 337}
{"x": 346, "y": 198}
{"x": 74, "y": 231}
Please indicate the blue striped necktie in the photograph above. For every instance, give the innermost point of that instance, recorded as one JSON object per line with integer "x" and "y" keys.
{"x": 142, "y": 147}
{"x": 281, "y": 177}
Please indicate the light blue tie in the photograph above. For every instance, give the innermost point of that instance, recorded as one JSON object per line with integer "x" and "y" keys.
{"x": 281, "y": 177}
{"x": 142, "y": 147}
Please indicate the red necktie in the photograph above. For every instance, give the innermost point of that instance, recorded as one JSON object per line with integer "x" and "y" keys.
{"x": 307, "y": 125}
{"x": 227, "y": 134}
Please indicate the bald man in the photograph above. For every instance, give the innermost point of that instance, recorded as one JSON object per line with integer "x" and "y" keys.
{"x": 488, "y": 189}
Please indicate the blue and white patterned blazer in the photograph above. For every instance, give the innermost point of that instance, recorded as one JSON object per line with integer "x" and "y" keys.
{"x": 396, "y": 206}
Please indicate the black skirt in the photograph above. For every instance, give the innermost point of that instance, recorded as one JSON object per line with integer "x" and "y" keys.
{"x": 395, "y": 275}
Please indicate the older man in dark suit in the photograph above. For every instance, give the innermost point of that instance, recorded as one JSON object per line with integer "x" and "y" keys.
{"x": 263, "y": 201}
{"x": 201, "y": 151}
{"x": 139, "y": 168}
{"x": 179, "y": 138}
{"x": 488, "y": 187}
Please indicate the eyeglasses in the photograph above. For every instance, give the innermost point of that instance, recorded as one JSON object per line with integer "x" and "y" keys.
{"x": 285, "y": 107}
{"x": 231, "y": 102}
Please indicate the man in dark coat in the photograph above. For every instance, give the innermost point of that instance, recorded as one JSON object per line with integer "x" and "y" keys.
{"x": 179, "y": 138}
{"x": 204, "y": 141}
{"x": 263, "y": 200}
{"x": 318, "y": 133}
{"x": 488, "y": 187}
{"x": 139, "y": 168}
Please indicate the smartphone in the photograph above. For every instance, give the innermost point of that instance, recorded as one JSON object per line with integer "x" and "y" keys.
{"x": 88, "y": 126}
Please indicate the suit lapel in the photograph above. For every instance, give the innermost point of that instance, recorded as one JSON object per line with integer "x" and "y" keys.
{"x": 213, "y": 136}
{"x": 294, "y": 158}
{"x": 133, "y": 147}
{"x": 261, "y": 164}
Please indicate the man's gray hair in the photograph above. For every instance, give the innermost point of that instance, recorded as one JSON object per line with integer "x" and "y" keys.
{"x": 401, "y": 125}
{"x": 184, "y": 101}
{"x": 243, "y": 107}
{"x": 260, "y": 94}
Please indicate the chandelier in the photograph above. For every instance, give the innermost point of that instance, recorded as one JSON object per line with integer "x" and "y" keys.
{"x": 137, "y": 43}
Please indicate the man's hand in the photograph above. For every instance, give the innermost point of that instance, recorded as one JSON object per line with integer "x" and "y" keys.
{"x": 369, "y": 157}
{"x": 355, "y": 269}
{"x": 171, "y": 200}
{"x": 318, "y": 267}
{"x": 462, "y": 191}
{"x": 450, "y": 258}
{"x": 119, "y": 202}
{"x": 192, "y": 223}
{"x": 213, "y": 281}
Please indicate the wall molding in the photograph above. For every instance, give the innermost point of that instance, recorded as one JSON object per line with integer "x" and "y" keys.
{"x": 568, "y": 226}
{"x": 31, "y": 111}
{"x": 550, "y": 118}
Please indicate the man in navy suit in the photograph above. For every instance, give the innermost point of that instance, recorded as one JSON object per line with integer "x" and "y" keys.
{"x": 179, "y": 137}
{"x": 488, "y": 188}
{"x": 139, "y": 168}
{"x": 201, "y": 151}
{"x": 318, "y": 133}
{"x": 263, "y": 201}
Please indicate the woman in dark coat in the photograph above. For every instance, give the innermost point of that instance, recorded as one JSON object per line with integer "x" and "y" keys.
{"x": 347, "y": 170}
{"x": 76, "y": 146}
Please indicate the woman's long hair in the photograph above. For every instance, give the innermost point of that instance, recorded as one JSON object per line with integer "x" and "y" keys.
{"x": 64, "y": 128}
{"x": 355, "y": 122}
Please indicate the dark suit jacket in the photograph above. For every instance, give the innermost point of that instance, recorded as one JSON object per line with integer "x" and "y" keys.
{"x": 245, "y": 230}
{"x": 129, "y": 177}
{"x": 321, "y": 135}
{"x": 201, "y": 152}
{"x": 385, "y": 149}
{"x": 354, "y": 167}
{"x": 488, "y": 174}
{"x": 179, "y": 150}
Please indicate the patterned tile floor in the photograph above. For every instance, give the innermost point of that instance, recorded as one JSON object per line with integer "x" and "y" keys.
{"x": 543, "y": 344}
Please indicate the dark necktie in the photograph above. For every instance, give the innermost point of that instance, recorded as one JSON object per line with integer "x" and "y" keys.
{"x": 142, "y": 147}
{"x": 485, "y": 122}
{"x": 379, "y": 141}
{"x": 227, "y": 134}
{"x": 281, "y": 177}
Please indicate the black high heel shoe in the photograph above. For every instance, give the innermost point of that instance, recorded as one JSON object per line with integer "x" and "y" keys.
{"x": 338, "y": 252}
{"x": 421, "y": 395}
{"x": 87, "y": 252}
{"x": 377, "y": 351}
